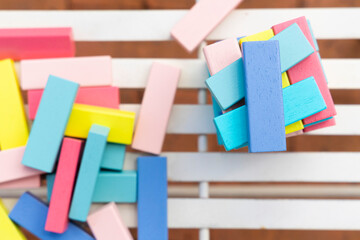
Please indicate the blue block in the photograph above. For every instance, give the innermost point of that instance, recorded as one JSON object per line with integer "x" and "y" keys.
{"x": 264, "y": 100}
{"x": 313, "y": 36}
{"x": 88, "y": 172}
{"x": 49, "y": 126}
{"x": 152, "y": 198}
{"x": 294, "y": 47}
{"x": 227, "y": 85}
{"x": 217, "y": 112}
{"x": 31, "y": 213}
{"x": 113, "y": 157}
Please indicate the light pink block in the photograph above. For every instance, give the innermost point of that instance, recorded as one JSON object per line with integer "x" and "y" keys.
{"x": 11, "y": 167}
{"x": 155, "y": 108}
{"x": 87, "y": 71}
{"x": 29, "y": 182}
{"x": 221, "y": 54}
{"x": 57, "y": 218}
{"x": 202, "y": 18}
{"x": 310, "y": 66}
{"x": 106, "y": 224}
{"x": 328, "y": 123}
{"x": 96, "y": 96}
{"x": 293, "y": 134}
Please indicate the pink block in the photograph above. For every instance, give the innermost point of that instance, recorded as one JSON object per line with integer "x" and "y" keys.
{"x": 221, "y": 54}
{"x": 310, "y": 66}
{"x": 57, "y": 218}
{"x": 30, "y": 43}
{"x": 96, "y": 96}
{"x": 29, "y": 182}
{"x": 106, "y": 224}
{"x": 11, "y": 167}
{"x": 87, "y": 71}
{"x": 293, "y": 134}
{"x": 328, "y": 123}
{"x": 155, "y": 108}
{"x": 202, "y": 18}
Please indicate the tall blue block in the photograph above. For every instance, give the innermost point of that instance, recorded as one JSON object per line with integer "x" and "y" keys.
{"x": 49, "y": 126}
{"x": 152, "y": 198}
{"x": 114, "y": 155}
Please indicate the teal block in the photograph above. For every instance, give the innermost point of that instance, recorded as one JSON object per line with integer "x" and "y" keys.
{"x": 313, "y": 36}
{"x": 217, "y": 112}
{"x": 50, "y": 123}
{"x": 322, "y": 66}
{"x": 294, "y": 47}
{"x": 50, "y": 179}
{"x": 314, "y": 123}
{"x": 88, "y": 172}
{"x": 113, "y": 157}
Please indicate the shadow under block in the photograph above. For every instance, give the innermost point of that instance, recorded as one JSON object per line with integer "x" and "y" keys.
{"x": 14, "y": 130}
{"x": 49, "y": 126}
{"x": 152, "y": 198}
{"x": 8, "y": 229}
{"x": 57, "y": 217}
{"x": 95, "y": 96}
{"x": 29, "y": 43}
{"x": 86, "y": 71}
{"x": 200, "y": 20}
{"x": 156, "y": 108}
{"x": 121, "y": 123}
{"x": 30, "y": 213}
{"x": 106, "y": 223}
{"x": 88, "y": 172}
{"x": 114, "y": 156}
{"x": 28, "y": 182}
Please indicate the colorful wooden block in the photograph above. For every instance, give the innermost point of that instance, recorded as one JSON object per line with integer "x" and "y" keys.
{"x": 202, "y": 18}
{"x": 261, "y": 36}
{"x": 8, "y": 229}
{"x": 30, "y": 213}
{"x": 156, "y": 108}
{"x": 294, "y": 127}
{"x": 328, "y": 123}
{"x": 114, "y": 156}
{"x": 14, "y": 130}
{"x": 217, "y": 112}
{"x": 88, "y": 172}
{"x": 264, "y": 100}
{"x": 95, "y": 96}
{"x": 28, "y": 43}
{"x": 293, "y": 134}
{"x": 152, "y": 198}
{"x": 57, "y": 217}
{"x": 313, "y": 36}
{"x": 28, "y": 182}
{"x": 87, "y": 71}
{"x": 106, "y": 223}
{"x": 49, "y": 126}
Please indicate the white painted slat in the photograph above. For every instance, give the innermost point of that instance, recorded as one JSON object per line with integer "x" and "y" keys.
{"x": 342, "y": 73}
{"x": 155, "y": 25}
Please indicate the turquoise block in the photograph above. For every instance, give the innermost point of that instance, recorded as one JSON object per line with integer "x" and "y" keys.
{"x": 50, "y": 179}
{"x": 294, "y": 47}
{"x": 227, "y": 86}
{"x": 314, "y": 123}
{"x": 49, "y": 126}
{"x": 113, "y": 157}
{"x": 322, "y": 66}
{"x": 88, "y": 172}
{"x": 217, "y": 112}
{"x": 313, "y": 36}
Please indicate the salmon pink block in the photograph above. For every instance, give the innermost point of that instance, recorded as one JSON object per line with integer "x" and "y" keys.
{"x": 327, "y": 123}
{"x": 28, "y": 182}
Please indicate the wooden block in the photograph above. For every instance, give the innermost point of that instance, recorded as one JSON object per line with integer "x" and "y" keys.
{"x": 264, "y": 100}
{"x": 313, "y": 36}
{"x": 311, "y": 124}
{"x": 202, "y": 18}
{"x": 114, "y": 156}
{"x": 28, "y": 182}
{"x": 88, "y": 172}
{"x": 106, "y": 223}
{"x": 87, "y": 71}
{"x": 121, "y": 123}
{"x": 8, "y": 229}
{"x": 11, "y": 167}
{"x": 156, "y": 108}
{"x": 152, "y": 198}
{"x": 29, "y": 43}
{"x": 217, "y": 112}
{"x": 57, "y": 217}
{"x": 293, "y": 134}
{"x": 30, "y": 213}
{"x": 14, "y": 130}
{"x": 328, "y": 123}
{"x": 95, "y": 96}
{"x": 261, "y": 36}
{"x": 294, "y": 127}
{"x": 50, "y": 123}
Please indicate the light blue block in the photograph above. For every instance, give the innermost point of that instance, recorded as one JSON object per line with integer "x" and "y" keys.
{"x": 322, "y": 66}
{"x": 314, "y": 123}
{"x": 227, "y": 85}
{"x": 217, "y": 112}
{"x": 313, "y": 36}
{"x": 50, "y": 179}
{"x": 294, "y": 47}
{"x": 49, "y": 126}
{"x": 88, "y": 172}
{"x": 114, "y": 155}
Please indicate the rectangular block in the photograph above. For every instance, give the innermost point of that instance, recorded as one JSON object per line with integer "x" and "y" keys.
{"x": 152, "y": 198}
{"x": 121, "y": 123}
{"x": 313, "y": 36}
{"x": 261, "y": 36}
{"x": 106, "y": 223}
{"x": 294, "y": 127}
{"x": 57, "y": 217}
{"x": 88, "y": 172}
{"x": 328, "y": 123}
{"x": 28, "y": 182}
{"x": 14, "y": 130}
{"x": 28, "y": 43}
{"x": 86, "y": 71}
{"x": 293, "y": 134}
{"x": 114, "y": 156}
{"x": 95, "y": 96}
{"x": 202, "y": 18}
{"x": 156, "y": 108}
{"x": 49, "y": 126}
{"x": 217, "y": 112}
{"x": 264, "y": 100}
{"x": 8, "y": 229}
{"x": 30, "y": 213}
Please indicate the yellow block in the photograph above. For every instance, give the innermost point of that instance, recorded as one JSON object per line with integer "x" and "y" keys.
{"x": 261, "y": 36}
{"x": 14, "y": 130}
{"x": 8, "y": 229}
{"x": 121, "y": 123}
{"x": 285, "y": 80}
